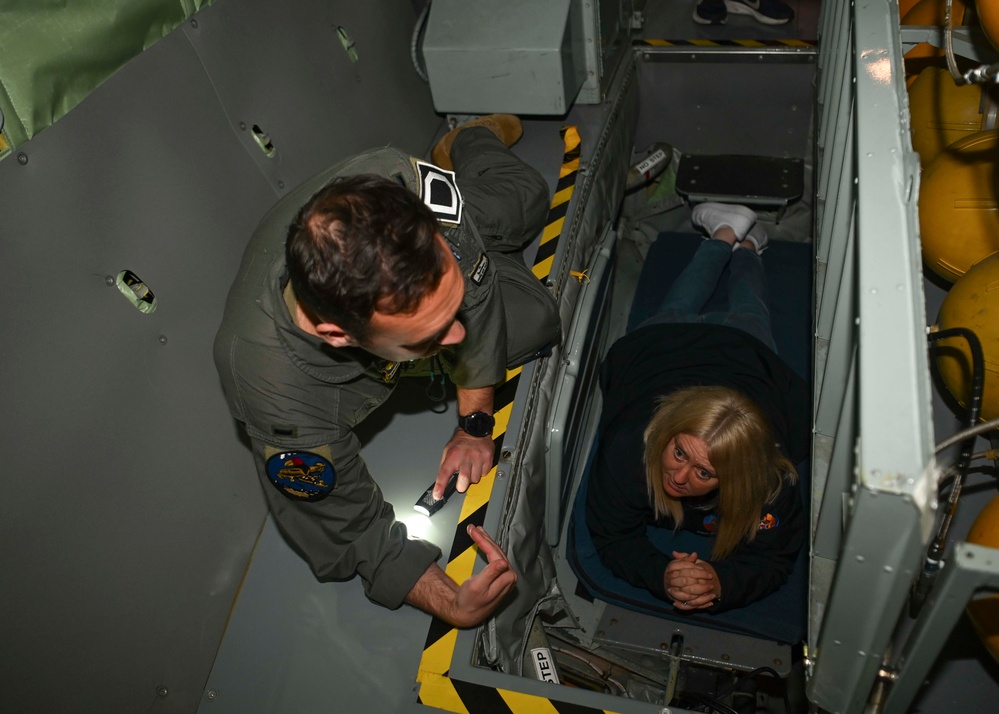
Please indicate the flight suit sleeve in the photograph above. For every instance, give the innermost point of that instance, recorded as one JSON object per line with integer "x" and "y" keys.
{"x": 308, "y": 460}
{"x": 342, "y": 525}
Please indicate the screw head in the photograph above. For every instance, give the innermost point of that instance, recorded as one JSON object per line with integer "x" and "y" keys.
{"x": 22, "y": 158}
{"x": 162, "y": 339}
{"x": 162, "y": 691}
{"x": 212, "y": 695}
{"x": 109, "y": 280}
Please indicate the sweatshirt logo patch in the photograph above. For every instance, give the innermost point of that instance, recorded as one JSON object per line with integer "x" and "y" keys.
{"x": 301, "y": 475}
{"x": 710, "y": 523}
{"x": 769, "y": 521}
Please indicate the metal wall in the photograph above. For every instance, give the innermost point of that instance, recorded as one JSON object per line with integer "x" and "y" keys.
{"x": 874, "y": 470}
{"x": 131, "y": 508}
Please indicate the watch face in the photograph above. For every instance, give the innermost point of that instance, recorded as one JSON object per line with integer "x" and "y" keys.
{"x": 478, "y": 424}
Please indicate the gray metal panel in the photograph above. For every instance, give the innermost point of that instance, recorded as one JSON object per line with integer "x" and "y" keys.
{"x": 895, "y": 480}
{"x": 972, "y": 567}
{"x": 567, "y": 445}
{"x": 639, "y": 633}
{"x": 727, "y": 104}
{"x": 135, "y": 518}
{"x": 516, "y": 56}
{"x": 295, "y": 80}
{"x": 124, "y": 546}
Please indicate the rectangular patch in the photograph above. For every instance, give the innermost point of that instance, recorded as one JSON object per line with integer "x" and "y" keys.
{"x": 479, "y": 271}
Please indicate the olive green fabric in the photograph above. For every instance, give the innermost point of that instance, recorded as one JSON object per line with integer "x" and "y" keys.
{"x": 56, "y": 53}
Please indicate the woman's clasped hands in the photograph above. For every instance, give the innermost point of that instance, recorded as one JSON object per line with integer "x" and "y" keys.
{"x": 692, "y": 584}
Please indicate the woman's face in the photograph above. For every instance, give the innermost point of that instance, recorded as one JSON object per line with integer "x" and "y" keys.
{"x": 687, "y": 471}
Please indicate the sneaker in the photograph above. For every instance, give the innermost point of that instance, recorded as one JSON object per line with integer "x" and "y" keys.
{"x": 769, "y": 12}
{"x": 712, "y": 216}
{"x": 710, "y": 12}
{"x": 506, "y": 126}
{"x": 758, "y": 237}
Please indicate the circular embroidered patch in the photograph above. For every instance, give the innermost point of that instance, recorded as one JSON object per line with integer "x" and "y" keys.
{"x": 710, "y": 523}
{"x": 769, "y": 521}
{"x": 301, "y": 475}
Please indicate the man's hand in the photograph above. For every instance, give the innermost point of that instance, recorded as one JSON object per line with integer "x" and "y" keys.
{"x": 691, "y": 583}
{"x": 474, "y": 600}
{"x": 481, "y": 594}
{"x": 470, "y": 456}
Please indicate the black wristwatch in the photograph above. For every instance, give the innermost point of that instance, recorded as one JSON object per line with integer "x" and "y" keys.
{"x": 477, "y": 424}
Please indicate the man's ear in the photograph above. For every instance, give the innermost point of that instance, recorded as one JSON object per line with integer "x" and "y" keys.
{"x": 334, "y": 335}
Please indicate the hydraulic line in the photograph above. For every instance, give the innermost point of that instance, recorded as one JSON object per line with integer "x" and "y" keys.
{"x": 967, "y": 433}
{"x": 984, "y": 74}
{"x": 934, "y": 554}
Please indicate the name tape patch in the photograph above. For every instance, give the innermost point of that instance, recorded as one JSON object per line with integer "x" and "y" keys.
{"x": 301, "y": 475}
{"x": 480, "y": 269}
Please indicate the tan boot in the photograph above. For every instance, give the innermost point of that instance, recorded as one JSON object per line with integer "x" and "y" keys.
{"x": 506, "y": 126}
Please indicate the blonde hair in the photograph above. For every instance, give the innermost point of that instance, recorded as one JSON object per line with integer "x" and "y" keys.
{"x": 749, "y": 465}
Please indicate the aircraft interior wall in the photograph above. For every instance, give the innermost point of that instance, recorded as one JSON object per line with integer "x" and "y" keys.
{"x": 141, "y": 569}
{"x": 124, "y": 549}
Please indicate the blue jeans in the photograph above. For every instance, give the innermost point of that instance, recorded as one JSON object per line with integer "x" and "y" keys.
{"x": 747, "y": 290}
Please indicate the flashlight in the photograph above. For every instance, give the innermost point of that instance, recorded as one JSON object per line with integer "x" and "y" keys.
{"x": 428, "y": 505}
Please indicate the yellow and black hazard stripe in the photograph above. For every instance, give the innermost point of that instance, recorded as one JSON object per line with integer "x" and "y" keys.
{"x": 545, "y": 257}
{"x": 437, "y": 688}
{"x": 752, "y": 44}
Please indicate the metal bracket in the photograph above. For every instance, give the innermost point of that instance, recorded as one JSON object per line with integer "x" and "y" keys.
{"x": 971, "y": 568}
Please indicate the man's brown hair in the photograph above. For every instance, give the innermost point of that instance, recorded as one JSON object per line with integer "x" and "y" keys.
{"x": 363, "y": 244}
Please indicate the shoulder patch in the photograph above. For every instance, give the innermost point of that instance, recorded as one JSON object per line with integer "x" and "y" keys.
{"x": 439, "y": 191}
{"x": 769, "y": 521}
{"x": 301, "y": 475}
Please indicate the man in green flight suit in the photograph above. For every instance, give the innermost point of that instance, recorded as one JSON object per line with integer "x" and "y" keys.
{"x": 379, "y": 260}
